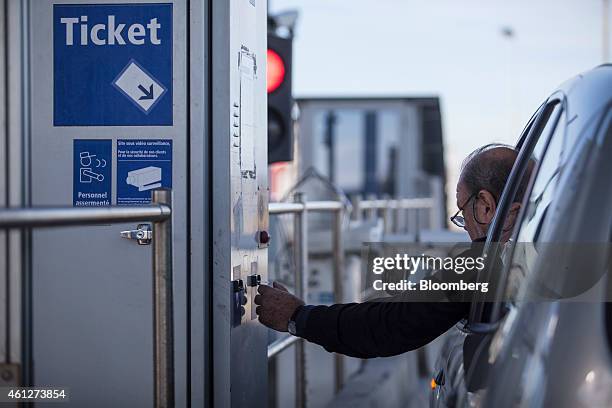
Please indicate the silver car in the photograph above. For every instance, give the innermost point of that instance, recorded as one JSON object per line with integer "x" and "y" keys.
{"x": 545, "y": 340}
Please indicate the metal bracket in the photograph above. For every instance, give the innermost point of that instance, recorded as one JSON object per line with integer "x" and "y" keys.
{"x": 143, "y": 234}
{"x": 9, "y": 375}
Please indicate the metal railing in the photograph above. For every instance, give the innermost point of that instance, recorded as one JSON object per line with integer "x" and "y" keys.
{"x": 392, "y": 211}
{"x": 300, "y": 208}
{"x": 372, "y": 208}
{"x": 160, "y": 214}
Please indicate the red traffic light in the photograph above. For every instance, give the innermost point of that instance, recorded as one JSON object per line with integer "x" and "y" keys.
{"x": 276, "y": 71}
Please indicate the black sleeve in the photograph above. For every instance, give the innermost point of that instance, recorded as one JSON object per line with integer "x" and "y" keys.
{"x": 380, "y": 329}
{"x": 389, "y": 326}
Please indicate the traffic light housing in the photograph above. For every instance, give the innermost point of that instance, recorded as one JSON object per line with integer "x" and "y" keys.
{"x": 280, "y": 99}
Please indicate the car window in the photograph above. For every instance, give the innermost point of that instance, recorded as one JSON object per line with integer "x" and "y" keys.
{"x": 553, "y": 122}
{"x": 593, "y": 168}
{"x": 531, "y": 150}
{"x": 581, "y": 213}
{"x": 527, "y": 128}
{"x": 548, "y": 169}
{"x": 546, "y": 157}
{"x": 535, "y": 157}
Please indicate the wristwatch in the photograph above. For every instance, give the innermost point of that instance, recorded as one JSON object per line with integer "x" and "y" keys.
{"x": 292, "y": 328}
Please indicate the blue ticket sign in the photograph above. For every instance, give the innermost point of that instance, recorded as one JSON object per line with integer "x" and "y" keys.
{"x": 112, "y": 64}
{"x": 142, "y": 166}
{"x": 92, "y": 173}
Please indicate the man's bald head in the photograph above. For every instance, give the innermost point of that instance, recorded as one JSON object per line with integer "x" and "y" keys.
{"x": 488, "y": 168}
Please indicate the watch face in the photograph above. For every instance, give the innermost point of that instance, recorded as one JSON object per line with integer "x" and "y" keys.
{"x": 291, "y": 327}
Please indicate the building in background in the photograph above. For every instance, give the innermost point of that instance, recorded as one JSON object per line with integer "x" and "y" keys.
{"x": 375, "y": 146}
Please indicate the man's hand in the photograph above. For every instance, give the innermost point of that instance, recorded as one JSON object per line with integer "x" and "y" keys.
{"x": 276, "y": 306}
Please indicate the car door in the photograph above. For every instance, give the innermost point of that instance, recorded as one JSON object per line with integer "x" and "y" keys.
{"x": 450, "y": 386}
{"x": 555, "y": 352}
{"x": 542, "y": 151}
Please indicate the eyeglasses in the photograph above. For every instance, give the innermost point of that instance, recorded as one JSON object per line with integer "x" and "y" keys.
{"x": 457, "y": 219}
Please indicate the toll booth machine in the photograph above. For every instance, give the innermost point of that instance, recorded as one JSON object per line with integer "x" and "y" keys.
{"x": 104, "y": 103}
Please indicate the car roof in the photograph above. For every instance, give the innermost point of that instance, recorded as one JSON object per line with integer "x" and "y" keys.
{"x": 586, "y": 94}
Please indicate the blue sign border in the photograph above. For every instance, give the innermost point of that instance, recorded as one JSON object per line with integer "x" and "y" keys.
{"x": 74, "y": 117}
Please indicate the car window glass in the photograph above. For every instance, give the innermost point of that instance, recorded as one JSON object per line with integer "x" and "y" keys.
{"x": 528, "y": 127}
{"x": 542, "y": 143}
{"x": 551, "y": 115}
{"x": 515, "y": 188}
{"x": 546, "y": 156}
{"x": 543, "y": 188}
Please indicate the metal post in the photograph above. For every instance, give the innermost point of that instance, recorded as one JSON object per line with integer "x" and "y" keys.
{"x": 357, "y": 211}
{"x": 371, "y": 211}
{"x": 398, "y": 216}
{"x": 417, "y": 225}
{"x": 163, "y": 327}
{"x": 370, "y": 152}
{"x": 408, "y": 220}
{"x": 272, "y": 383}
{"x": 338, "y": 252}
{"x": 386, "y": 215}
{"x": 300, "y": 242}
{"x": 330, "y": 141}
{"x": 437, "y": 205}
{"x": 395, "y": 216}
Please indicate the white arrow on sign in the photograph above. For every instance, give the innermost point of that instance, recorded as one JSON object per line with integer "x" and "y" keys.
{"x": 139, "y": 86}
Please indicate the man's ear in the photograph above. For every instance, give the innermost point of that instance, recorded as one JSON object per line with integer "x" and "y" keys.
{"x": 485, "y": 207}
{"x": 512, "y": 215}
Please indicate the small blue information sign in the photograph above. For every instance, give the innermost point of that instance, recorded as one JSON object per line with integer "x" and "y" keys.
{"x": 142, "y": 166}
{"x": 112, "y": 64}
{"x": 92, "y": 173}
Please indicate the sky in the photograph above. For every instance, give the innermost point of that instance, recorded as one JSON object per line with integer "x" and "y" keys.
{"x": 489, "y": 84}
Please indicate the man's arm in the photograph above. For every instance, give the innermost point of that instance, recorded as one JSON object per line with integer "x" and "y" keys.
{"x": 377, "y": 329}
{"x": 372, "y": 329}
